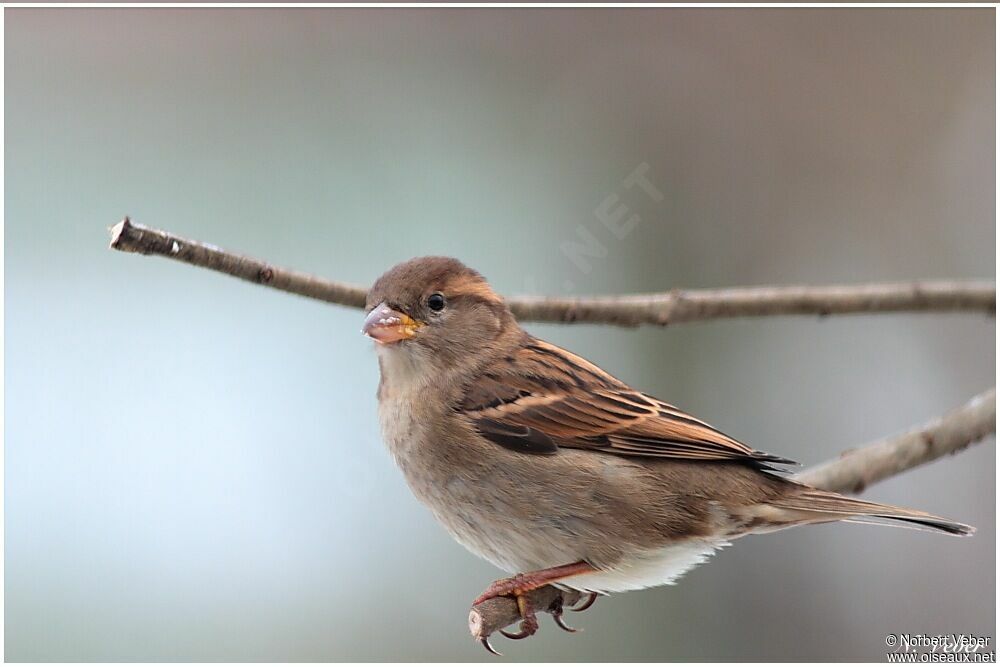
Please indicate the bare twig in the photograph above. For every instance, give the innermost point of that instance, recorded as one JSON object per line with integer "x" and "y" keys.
{"x": 661, "y": 309}
{"x": 857, "y": 469}
{"x": 696, "y": 305}
{"x": 852, "y": 472}
{"x": 128, "y": 236}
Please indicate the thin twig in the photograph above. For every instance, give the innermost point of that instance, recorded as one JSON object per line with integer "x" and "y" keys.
{"x": 696, "y": 305}
{"x": 128, "y": 236}
{"x": 857, "y": 469}
{"x": 852, "y": 472}
{"x": 660, "y": 309}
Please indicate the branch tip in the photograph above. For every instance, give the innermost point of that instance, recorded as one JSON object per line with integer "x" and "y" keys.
{"x": 118, "y": 231}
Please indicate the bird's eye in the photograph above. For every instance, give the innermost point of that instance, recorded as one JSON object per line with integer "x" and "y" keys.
{"x": 436, "y": 302}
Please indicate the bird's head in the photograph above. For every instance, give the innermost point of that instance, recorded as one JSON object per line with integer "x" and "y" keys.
{"x": 435, "y": 309}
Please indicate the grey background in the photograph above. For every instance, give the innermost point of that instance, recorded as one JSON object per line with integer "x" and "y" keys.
{"x": 193, "y": 467}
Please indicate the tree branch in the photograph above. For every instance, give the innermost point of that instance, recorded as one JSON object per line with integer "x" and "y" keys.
{"x": 857, "y": 469}
{"x": 128, "y": 236}
{"x": 660, "y": 309}
{"x": 852, "y": 471}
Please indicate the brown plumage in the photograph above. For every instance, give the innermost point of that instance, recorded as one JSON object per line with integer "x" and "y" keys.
{"x": 533, "y": 457}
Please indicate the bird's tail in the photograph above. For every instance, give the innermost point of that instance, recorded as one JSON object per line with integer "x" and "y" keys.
{"x": 804, "y": 505}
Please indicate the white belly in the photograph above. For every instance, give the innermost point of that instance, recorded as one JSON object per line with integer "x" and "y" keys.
{"x": 653, "y": 568}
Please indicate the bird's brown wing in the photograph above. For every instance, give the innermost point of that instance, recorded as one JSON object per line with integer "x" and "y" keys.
{"x": 543, "y": 397}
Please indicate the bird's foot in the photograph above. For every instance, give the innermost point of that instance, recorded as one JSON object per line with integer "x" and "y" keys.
{"x": 520, "y": 588}
{"x": 515, "y": 587}
{"x": 529, "y": 622}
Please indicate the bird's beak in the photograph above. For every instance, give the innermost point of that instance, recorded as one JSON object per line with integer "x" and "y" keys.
{"x": 386, "y": 325}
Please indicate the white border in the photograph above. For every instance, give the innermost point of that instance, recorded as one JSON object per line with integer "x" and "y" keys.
{"x": 495, "y": 5}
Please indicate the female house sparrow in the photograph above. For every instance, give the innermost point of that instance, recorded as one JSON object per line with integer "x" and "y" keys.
{"x": 546, "y": 465}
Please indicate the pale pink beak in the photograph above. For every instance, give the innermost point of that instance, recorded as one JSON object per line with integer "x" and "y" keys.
{"x": 386, "y": 325}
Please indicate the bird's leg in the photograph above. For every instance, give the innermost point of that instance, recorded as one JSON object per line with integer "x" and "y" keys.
{"x": 520, "y": 584}
{"x": 525, "y": 582}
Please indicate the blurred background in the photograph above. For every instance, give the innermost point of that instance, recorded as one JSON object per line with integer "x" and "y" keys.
{"x": 193, "y": 464}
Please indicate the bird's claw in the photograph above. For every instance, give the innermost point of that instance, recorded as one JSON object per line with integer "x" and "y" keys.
{"x": 523, "y": 633}
{"x": 558, "y": 618}
{"x": 587, "y": 604}
{"x": 556, "y": 609}
{"x": 485, "y": 641}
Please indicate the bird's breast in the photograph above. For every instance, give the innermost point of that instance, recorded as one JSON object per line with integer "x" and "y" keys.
{"x": 400, "y": 429}
{"x": 452, "y": 480}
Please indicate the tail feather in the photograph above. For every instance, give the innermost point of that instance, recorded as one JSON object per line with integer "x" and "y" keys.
{"x": 816, "y": 506}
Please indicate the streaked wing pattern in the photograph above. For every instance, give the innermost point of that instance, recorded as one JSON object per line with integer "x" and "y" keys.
{"x": 544, "y": 397}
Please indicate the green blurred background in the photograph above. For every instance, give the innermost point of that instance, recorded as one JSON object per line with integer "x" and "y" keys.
{"x": 193, "y": 464}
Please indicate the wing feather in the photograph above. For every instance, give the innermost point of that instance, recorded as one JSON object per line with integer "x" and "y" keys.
{"x": 543, "y": 398}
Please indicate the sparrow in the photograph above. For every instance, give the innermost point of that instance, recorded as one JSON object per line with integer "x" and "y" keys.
{"x": 554, "y": 470}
